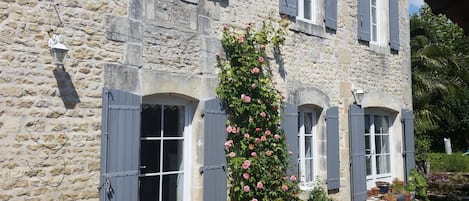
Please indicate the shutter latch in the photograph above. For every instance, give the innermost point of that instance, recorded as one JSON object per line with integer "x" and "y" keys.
{"x": 202, "y": 169}
{"x": 107, "y": 187}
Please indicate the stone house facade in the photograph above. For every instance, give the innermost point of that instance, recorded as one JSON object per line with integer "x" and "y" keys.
{"x": 133, "y": 113}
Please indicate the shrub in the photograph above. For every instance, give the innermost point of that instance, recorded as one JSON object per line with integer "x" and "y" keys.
{"x": 441, "y": 162}
{"x": 318, "y": 193}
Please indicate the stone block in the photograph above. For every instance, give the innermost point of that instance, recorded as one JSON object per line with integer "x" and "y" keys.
{"x": 133, "y": 55}
{"x": 204, "y": 25}
{"x": 11, "y": 125}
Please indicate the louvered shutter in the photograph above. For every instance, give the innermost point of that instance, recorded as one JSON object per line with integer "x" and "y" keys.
{"x": 331, "y": 14}
{"x": 289, "y": 125}
{"x": 288, "y": 7}
{"x": 364, "y": 20}
{"x": 120, "y": 144}
{"x": 215, "y": 167}
{"x": 332, "y": 132}
{"x": 357, "y": 152}
{"x": 394, "y": 24}
{"x": 409, "y": 152}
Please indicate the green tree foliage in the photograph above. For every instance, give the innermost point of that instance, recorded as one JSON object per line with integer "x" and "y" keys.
{"x": 256, "y": 148}
{"x": 440, "y": 82}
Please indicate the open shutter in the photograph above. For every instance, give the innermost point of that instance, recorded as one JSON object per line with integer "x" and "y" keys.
{"x": 364, "y": 20}
{"x": 120, "y": 144}
{"x": 409, "y": 153}
{"x": 331, "y": 14}
{"x": 214, "y": 169}
{"x": 357, "y": 152}
{"x": 332, "y": 132}
{"x": 290, "y": 127}
{"x": 394, "y": 24}
{"x": 288, "y": 7}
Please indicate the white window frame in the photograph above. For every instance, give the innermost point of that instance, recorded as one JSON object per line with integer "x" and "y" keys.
{"x": 187, "y": 153}
{"x": 302, "y": 156}
{"x": 315, "y": 8}
{"x": 371, "y": 179}
{"x": 376, "y": 19}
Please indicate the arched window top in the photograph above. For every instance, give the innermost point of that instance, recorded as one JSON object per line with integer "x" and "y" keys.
{"x": 381, "y": 100}
{"x": 310, "y": 96}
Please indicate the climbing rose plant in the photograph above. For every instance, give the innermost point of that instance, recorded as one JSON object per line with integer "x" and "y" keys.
{"x": 255, "y": 148}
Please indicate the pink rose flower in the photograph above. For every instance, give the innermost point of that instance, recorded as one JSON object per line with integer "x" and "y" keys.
{"x": 241, "y": 39}
{"x": 237, "y": 130}
{"x": 257, "y": 140}
{"x": 259, "y": 101}
{"x": 228, "y": 144}
{"x": 247, "y": 99}
{"x": 225, "y": 26}
{"x": 254, "y": 199}
{"x": 260, "y": 185}
{"x": 255, "y": 70}
{"x": 262, "y": 46}
{"x": 246, "y": 188}
{"x": 251, "y": 120}
{"x": 261, "y": 59}
{"x": 277, "y": 136}
{"x": 263, "y": 138}
{"x": 246, "y": 135}
{"x": 293, "y": 178}
{"x": 268, "y": 153}
{"x": 246, "y": 164}
{"x": 253, "y": 154}
{"x": 258, "y": 130}
{"x": 284, "y": 187}
{"x": 251, "y": 146}
{"x": 253, "y": 86}
{"x": 229, "y": 129}
{"x": 263, "y": 114}
{"x": 246, "y": 175}
{"x": 267, "y": 132}
{"x": 232, "y": 154}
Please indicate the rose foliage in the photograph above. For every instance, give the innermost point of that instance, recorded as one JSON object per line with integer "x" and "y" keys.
{"x": 256, "y": 149}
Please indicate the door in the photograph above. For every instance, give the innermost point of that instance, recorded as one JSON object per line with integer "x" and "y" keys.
{"x": 377, "y": 149}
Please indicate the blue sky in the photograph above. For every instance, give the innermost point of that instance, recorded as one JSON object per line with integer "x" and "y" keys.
{"x": 414, "y": 6}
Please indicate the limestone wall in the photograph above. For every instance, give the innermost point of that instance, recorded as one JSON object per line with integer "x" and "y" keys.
{"x": 50, "y": 120}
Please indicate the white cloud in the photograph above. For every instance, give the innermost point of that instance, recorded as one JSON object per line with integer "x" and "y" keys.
{"x": 416, "y": 3}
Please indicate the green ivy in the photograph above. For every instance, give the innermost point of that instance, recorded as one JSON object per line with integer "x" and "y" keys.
{"x": 418, "y": 184}
{"x": 256, "y": 150}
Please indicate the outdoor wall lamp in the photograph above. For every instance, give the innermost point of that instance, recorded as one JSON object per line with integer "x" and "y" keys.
{"x": 358, "y": 94}
{"x": 58, "y": 50}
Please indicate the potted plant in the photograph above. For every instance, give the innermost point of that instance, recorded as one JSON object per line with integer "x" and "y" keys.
{"x": 383, "y": 186}
{"x": 375, "y": 191}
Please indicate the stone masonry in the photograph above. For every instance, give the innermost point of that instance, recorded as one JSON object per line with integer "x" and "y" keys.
{"x": 50, "y": 120}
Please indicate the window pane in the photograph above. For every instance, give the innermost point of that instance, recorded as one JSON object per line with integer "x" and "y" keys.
{"x": 172, "y": 155}
{"x": 150, "y": 156}
{"x": 151, "y": 120}
{"x": 367, "y": 143}
{"x": 308, "y": 147}
{"x": 381, "y": 124}
{"x": 173, "y": 187}
{"x": 307, "y": 9}
{"x": 383, "y": 163}
{"x": 373, "y": 33}
{"x": 382, "y": 144}
{"x": 373, "y": 15}
{"x": 368, "y": 165}
{"x": 309, "y": 171}
{"x": 308, "y": 122}
{"x": 367, "y": 123}
{"x": 173, "y": 121}
{"x": 149, "y": 188}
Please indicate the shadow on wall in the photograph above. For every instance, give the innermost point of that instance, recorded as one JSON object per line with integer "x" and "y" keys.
{"x": 67, "y": 91}
{"x": 223, "y": 3}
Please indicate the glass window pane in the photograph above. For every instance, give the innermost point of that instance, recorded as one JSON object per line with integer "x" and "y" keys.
{"x": 367, "y": 123}
{"x": 149, "y": 188}
{"x": 308, "y": 147}
{"x": 308, "y": 122}
{"x": 307, "y": 9}
{"x": 309, "y": 171}
{"x": 172, "y": 155}
{"x": 150, "y": 156}
{"x": 373, "y": 33}
{"x": 381, "y": 124}
{"x": 368, "y": 165}
{"x": 173, "y": 121}
{"x": 367, "y": 143}
{"x": 151, "y": 120}
{"x": 378, "y": 144}
{"x": 383, "y": 163}
{"x": 173, "y": 187}
{"x": 373, "y": 15}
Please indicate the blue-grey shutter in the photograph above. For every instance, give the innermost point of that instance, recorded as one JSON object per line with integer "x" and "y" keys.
{"x": 214, "y": 169}
{"x": 357, "y": 152}
{"x": 332, "y": 132}
{"x": 331, "y": 14}
{"x": 409, "y": 152}
{"x": 120, "y": 144}
{"x": 364, "y": 20}
{"x": 394, "y": 24}
{"x": 289, "y": 125}
{"x": 288, "y": 7}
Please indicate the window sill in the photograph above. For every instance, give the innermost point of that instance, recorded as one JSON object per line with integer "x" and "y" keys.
{"x": 377, "y": 48}
{"x": 308, "y": 28}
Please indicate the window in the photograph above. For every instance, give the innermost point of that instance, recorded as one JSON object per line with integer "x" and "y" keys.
{"x": 377, "y": 149}
{"x": 307, "y": 129}
{"x": 308, "y": 10}
{"x": 163, "y": 147}
{"x": 311, "y": 12}
{"x": 374, "y": 21}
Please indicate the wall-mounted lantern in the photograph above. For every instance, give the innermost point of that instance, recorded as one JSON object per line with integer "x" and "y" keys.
{"x": 358, "y": 94}
{"x": 58, "y": 50}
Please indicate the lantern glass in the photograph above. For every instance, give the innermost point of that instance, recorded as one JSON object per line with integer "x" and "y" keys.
{"x": 58, "y": 52}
